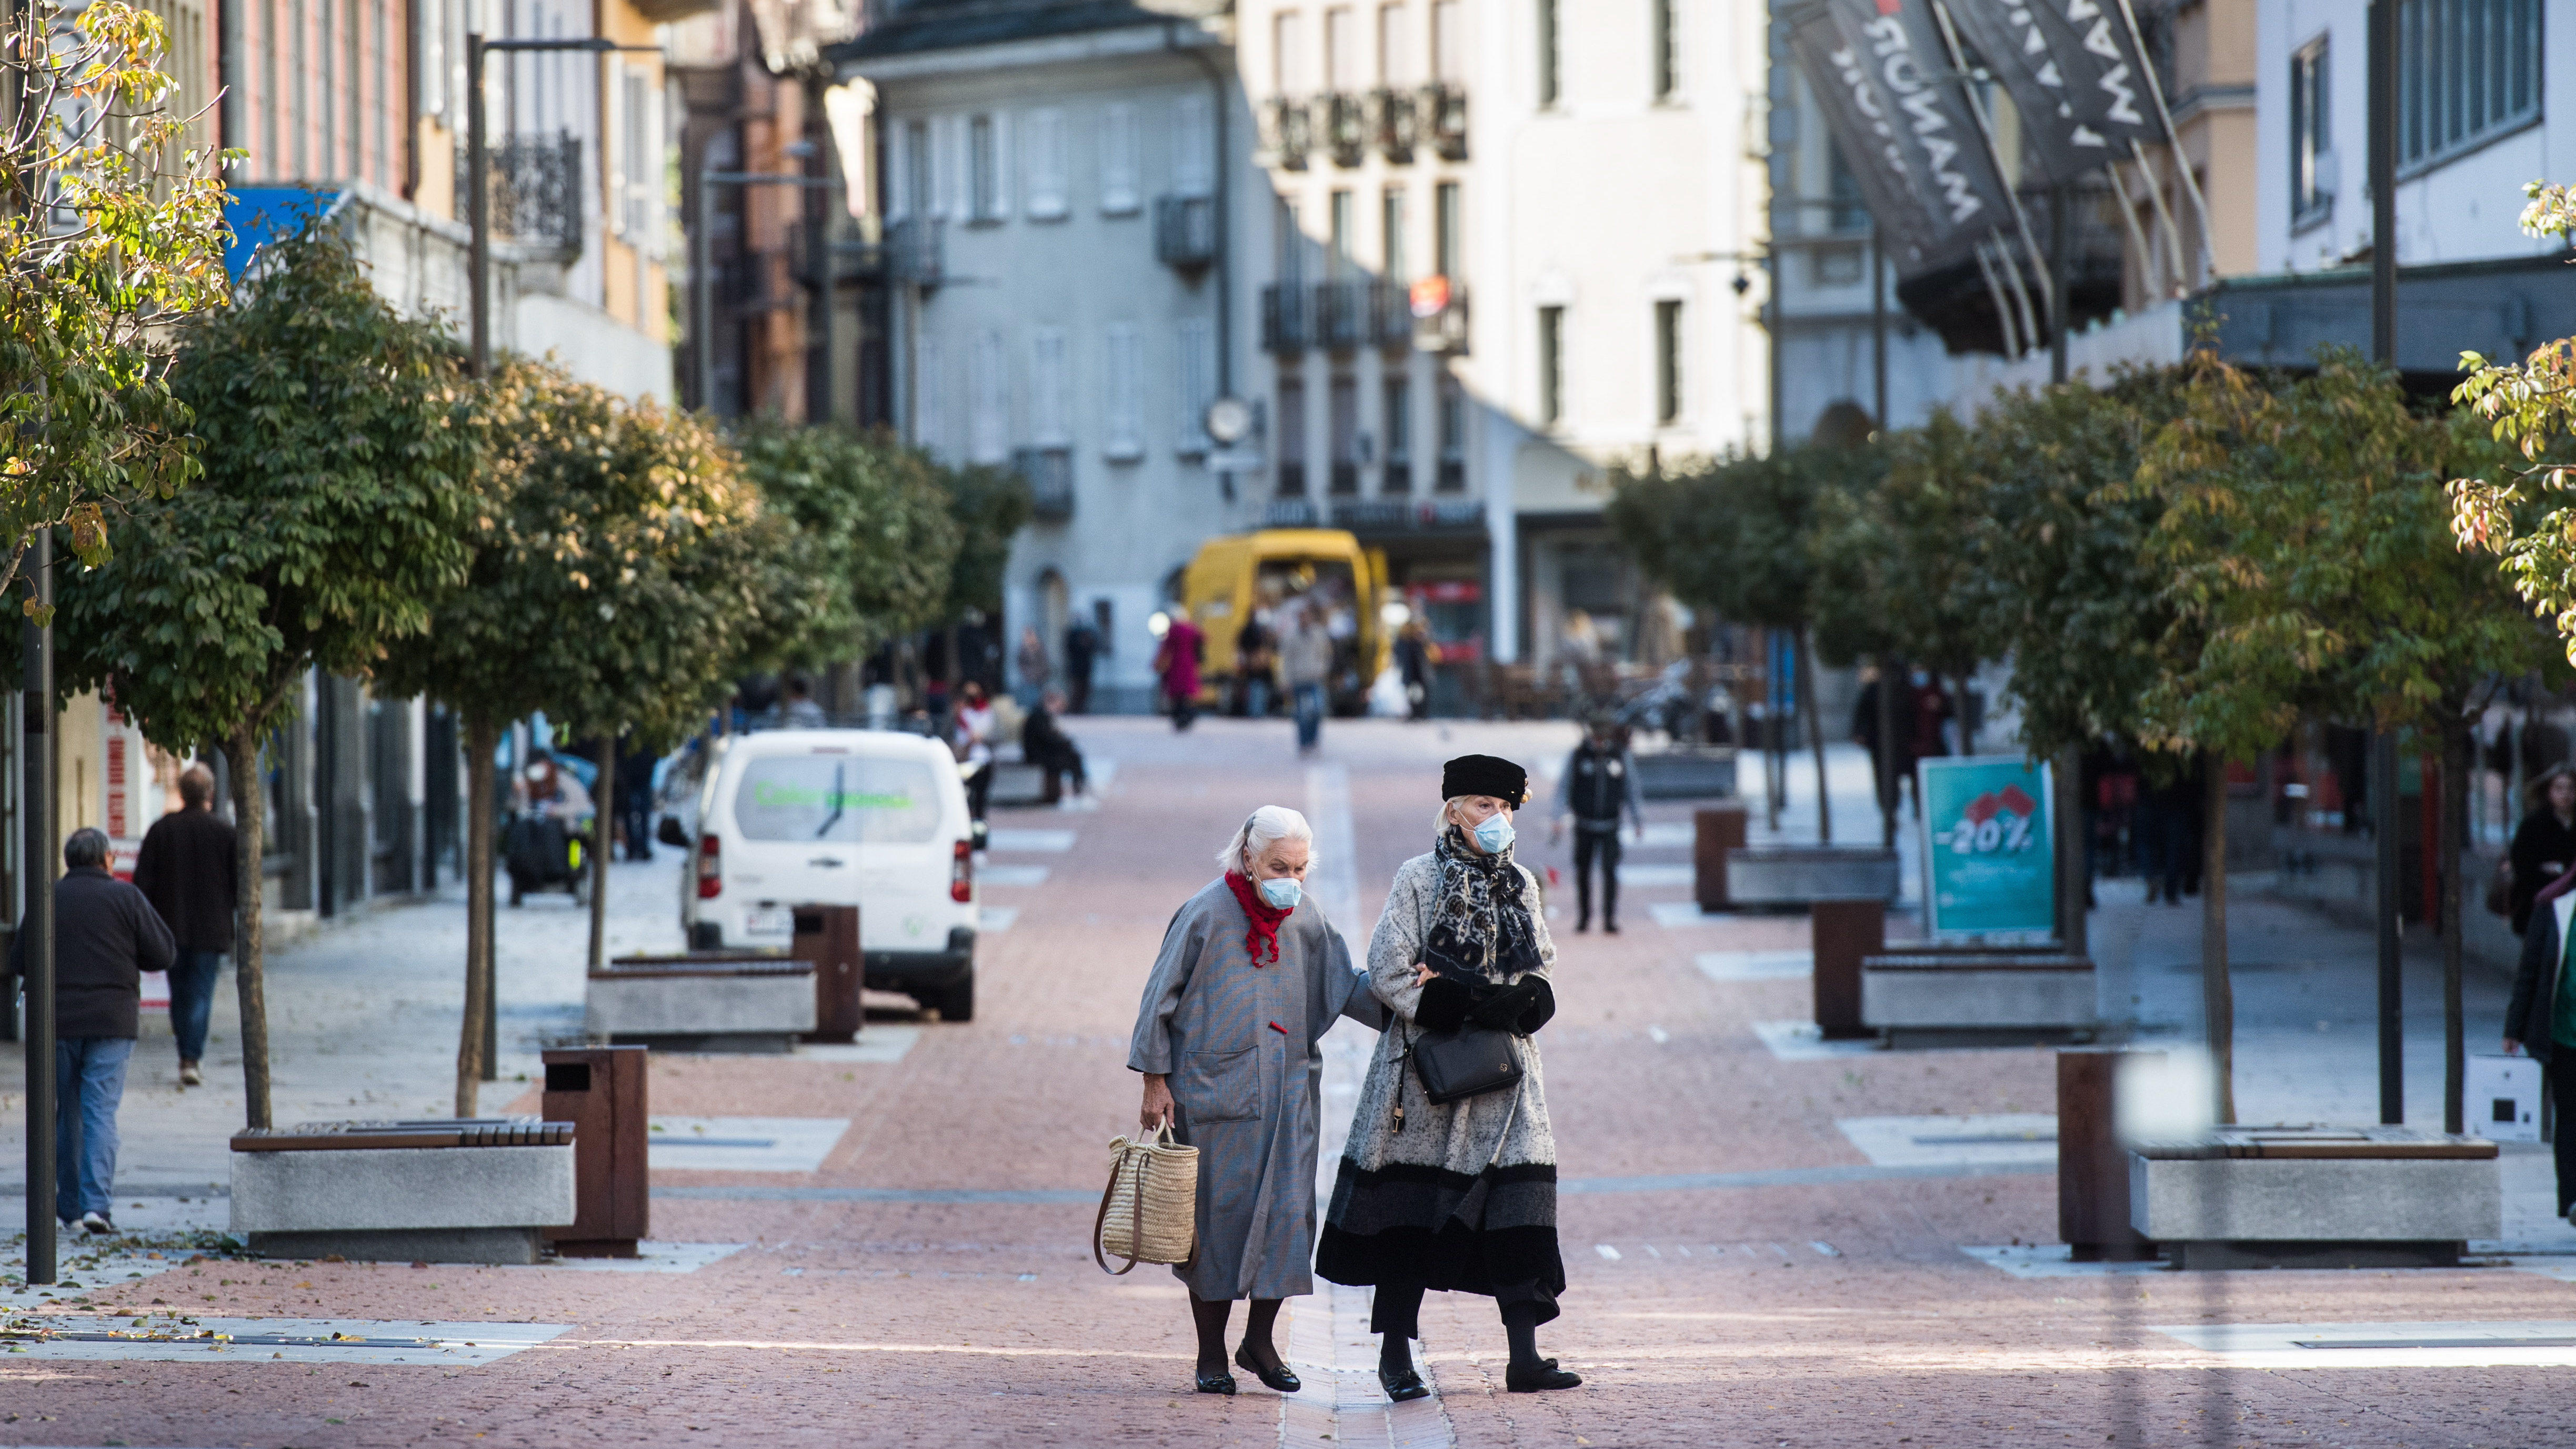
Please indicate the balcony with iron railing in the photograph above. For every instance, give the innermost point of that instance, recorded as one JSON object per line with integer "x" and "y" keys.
{"x": 1345, "y": 124}
{"x": 916, "y": 251}
{"x": 534, "y": 189}
{"x": 1444, "y": 119}
{"x": 1185, "y": 232}
{"x": 1287, "y": 132}
{"x": 1342, "y": 315}
{"x": 1390, "y": 314}
{"x": 1392, "y": 117}
{"x": 1284, "y": 318}
{"x": 1049, "y": 474}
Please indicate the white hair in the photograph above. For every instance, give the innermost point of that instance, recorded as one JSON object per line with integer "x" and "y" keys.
{"x": 1440, "y": 818}
{"x": 1262, "y": 829}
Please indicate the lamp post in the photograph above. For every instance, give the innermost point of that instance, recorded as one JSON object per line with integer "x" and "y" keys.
{"x": 702, "y": 289}
{"x": 36, "y": 805}
{"x": 478, "y": 163}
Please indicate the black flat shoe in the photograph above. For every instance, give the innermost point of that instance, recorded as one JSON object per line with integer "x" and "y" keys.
{"x": 1216, "y": 1384}
{"x": 1539, "y": 1380}
{"x": 1403, "y": 1386}
{"x": 1278, "y": 1379}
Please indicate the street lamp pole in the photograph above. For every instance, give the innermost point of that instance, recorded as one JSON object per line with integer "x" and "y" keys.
{"x": 478, "y": 166}
{"x": 36, "y": 803}
{"x": 2381, "y": 58}
{"x": 702, "y": 289}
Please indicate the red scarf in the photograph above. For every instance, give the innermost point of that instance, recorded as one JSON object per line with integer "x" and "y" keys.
{"x": 1264, "y": 916}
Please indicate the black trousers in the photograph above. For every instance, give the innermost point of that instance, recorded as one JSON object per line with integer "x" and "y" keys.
{"x": 2560, "y": 1077}
{"x": 1590, "y": 844}
{"x": 1397, "y": 1308}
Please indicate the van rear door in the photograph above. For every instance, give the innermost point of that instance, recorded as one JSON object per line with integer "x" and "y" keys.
{"x": 836, "y": 825}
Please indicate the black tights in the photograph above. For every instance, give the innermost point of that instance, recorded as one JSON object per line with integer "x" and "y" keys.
{"x": 1396, "y": 1314}
{"x": 1257, "y": 1324}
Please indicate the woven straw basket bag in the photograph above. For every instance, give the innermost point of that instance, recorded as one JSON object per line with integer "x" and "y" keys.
{"x": 1149, "y": 1212}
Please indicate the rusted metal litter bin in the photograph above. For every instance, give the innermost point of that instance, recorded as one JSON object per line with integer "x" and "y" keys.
{"x": 601, "y": 1091}
{"x": 1715, "y": 830}
{"x": 828, "y": 936}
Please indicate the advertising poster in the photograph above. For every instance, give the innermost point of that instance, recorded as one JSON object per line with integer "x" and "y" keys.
{"x": 1989, "y": 862}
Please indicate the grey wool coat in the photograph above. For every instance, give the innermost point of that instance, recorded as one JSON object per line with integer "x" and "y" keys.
{"x": 1238, "y": 1042}
{"x": 1460, "y": 1137}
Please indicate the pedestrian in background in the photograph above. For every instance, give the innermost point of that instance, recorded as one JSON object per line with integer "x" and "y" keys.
{"x": 1081, "y": 650}
{"x": 1035, "y": 669}
{"x": 1256, "y": 663}
{"x": 1044, "y": 743}
{"x": 1176, "y": 663}
{"x": 1306, "y": 664}
{"x": 1414, "y": 656}
{"x": 635, "y": 767}
{"x": 1250, "y": 978}
{"x": 2544, "y": 844}
{"x": 189, "y": 869}
{"x": 800, "y": 712}
{"x": 106, "y": 935}
{"x": 2541, "y": 1019}
{"x": 1598, "y": 786}
{"x": 977, "y": 728}
{"x": 1459, "y": 1196}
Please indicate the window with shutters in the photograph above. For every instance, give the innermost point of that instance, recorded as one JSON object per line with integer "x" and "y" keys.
{"x": 929, "y": 398}
{"x": 1397, "y": 425}
{"x": 2311, "y": 137}
{"x": 989, "y": 427}
{"x": 1121, "y": 194}
{"x": 1049, "y": 416}
{"x": 1123, "y": 382}
{"x": 1292, "y": 438}
{"x": 2468, "y": 72}
{"x": 1196, "y": 379}
{"x": 1394, "y": 46}
{"x": 987, "y": 144}
{"x": 1193, "y": 146}
{"x": 1049, "y": 194}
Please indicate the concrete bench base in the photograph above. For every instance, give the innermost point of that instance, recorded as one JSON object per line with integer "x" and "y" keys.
{"x": 498, "y": 1246}
{"x": 721, "y": 1043}
{"x": 434, "y": 1200}
{"x": 631, "y": 1004}
{"x": 1766, "y": 877}
{"x": 2377, "y": 1185}
{"x": 2017, "y": 991}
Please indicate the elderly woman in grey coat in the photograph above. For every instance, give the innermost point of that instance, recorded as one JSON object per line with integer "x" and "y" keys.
{"x": 1250, "y": 978}
{"x": 1458, "y": 1196}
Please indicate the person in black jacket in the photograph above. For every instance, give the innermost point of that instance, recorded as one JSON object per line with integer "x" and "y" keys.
{"x": 1599, "y": 784}
{"x": 2541, "y": 1019}
{"x": 1044, "y": 743}
{"x": 106, "y": 935}
{"x": 2544, "y": 845}
{"x": 189, "y": 869}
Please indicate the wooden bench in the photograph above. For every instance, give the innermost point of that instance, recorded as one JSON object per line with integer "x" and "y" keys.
{"x": 702, "y": 1001}
{"x": 469, "y": 1190}
{"x": 2316, "y": 1197}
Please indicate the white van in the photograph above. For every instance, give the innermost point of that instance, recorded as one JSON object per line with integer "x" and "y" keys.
{"x": 871, "y": 818}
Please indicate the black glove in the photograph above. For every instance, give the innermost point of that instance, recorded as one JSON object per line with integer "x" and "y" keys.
{"x": 1502, "y": 1009}
{"x": 1444, "y": 1005}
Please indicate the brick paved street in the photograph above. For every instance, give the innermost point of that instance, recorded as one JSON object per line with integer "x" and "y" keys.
{"x": 930, "y": 1283}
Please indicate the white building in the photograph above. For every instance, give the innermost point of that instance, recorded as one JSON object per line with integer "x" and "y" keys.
{"x": 1053, "y": 185}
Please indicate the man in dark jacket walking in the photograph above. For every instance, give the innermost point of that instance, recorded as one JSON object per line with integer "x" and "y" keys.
{"x": 1599, "y": 784}
{"x": 2542, "y": 1021}
{"x": 189, "y": 869}
{"x": 106, "y": 935}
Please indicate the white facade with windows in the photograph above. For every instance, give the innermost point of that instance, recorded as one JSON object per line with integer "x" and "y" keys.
{"x": 1058, "y": 171}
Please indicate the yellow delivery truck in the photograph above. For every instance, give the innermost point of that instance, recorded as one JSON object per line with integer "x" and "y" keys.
{"x": 1324, "y": 569}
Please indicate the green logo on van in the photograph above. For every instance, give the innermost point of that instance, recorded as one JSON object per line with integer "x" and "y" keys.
{"x": 770, "y": 795}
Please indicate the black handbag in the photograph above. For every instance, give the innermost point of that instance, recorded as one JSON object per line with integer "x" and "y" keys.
{"x": 1468, "y": 1061}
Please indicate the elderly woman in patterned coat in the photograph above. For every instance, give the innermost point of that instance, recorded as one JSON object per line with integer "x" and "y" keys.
{"x": 1250, "y": 978}
{"x": 1458, "y": 1196}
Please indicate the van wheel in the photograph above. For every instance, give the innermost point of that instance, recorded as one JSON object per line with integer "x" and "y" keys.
{"x": 957, "y": 1003}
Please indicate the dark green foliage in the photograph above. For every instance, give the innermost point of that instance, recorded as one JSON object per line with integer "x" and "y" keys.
{"x": 990, "y": 506}
{"x": 875, "y": 542}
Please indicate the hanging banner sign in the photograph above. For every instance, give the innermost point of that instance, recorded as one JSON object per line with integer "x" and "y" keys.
{"x": 2073, "y": 68}
{"x": 1889, "y": 90}
{"x": 1989, "y": 856}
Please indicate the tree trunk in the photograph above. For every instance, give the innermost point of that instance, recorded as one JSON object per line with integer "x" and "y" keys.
{"x": 482, "y": 739}
{"x": 1773, "y": 781}
{"x": 250, "y": 832}
{"x": 1815, "y": 735}
{"x": 603, "y": 832}
{"x": 1959, "y": 711}
{"x": 2217, "y": 996}
{"x": 1889, "y": 674}
{"x": 2454, "y": 848}
{"x": 2074, "y": 875}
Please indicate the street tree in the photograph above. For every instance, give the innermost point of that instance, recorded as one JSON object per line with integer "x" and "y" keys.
{"x": 111, "y": 234}
{"x": 326, "y": 524}
{"x": 1732, "y": 535}
{"x": 874, "y": 541}
{"x": 613, "y": 579}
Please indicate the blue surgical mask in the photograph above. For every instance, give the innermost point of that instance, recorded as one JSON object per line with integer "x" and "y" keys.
{"x": 1282, "y": 893}
{"x": 1495, "y": 835}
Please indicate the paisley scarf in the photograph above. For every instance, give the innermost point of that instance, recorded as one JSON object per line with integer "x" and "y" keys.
{"x": 1481, "y": 927}
{"x": 1264, "y": 916}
